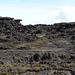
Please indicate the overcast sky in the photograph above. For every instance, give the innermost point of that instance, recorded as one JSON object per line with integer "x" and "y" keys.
{"x": 39, "y": 11}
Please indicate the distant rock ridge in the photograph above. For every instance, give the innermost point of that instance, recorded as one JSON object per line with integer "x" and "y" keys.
{"x": 11, "y": 30}
{"x": 9, "y": 18}
{"x": 6, "y": 18}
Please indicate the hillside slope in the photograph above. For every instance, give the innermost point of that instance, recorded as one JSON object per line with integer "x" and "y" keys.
{"x": 13, "y": 34}
{"x": 45, "y": 49}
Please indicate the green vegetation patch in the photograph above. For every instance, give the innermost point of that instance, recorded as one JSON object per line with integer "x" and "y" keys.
{"x": 3, "y": 36}
{"x": 38, "y": 43}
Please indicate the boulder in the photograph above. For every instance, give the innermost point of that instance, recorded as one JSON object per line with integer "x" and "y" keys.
{"x": 1, "y": 62}
{"x": 36, "y": 57}
{"x": 72, "y": 57}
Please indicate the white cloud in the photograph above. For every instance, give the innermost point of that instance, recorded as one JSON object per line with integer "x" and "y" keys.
{"x": 40, "y": 15}
{"x": 65, "y": 14}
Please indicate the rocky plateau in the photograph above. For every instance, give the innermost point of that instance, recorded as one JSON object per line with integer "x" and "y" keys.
{"x": 36, "y": 49}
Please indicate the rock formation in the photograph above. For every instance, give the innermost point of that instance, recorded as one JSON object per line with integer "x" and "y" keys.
{"x": 52, "y": 45}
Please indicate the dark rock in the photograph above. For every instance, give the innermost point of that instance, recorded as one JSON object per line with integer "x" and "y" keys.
{"x": 72, "y": 57}
{"x": 38, "y": 32}
{"x": 6, "y": 18}
{"x": 46, "y": 56}
{"x": 73, "y": 38}
{"x": 18, "y": 20}
{"x": 73, "y": 71}
{"x": 3, "y": 40}
{"x": 36, "y": 57}
{"x": 62, "y": 56}
{"x": 31, "y": 59}
{"x": 1, "y": 48}
{"x": 1, "y": 62}
{"x": 24, "y": 48}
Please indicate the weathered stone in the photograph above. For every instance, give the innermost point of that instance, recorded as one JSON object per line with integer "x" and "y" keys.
{"x": 72, "y": 57}
{"x": 1, "y": 62}
{"x": 36, "y": 57}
